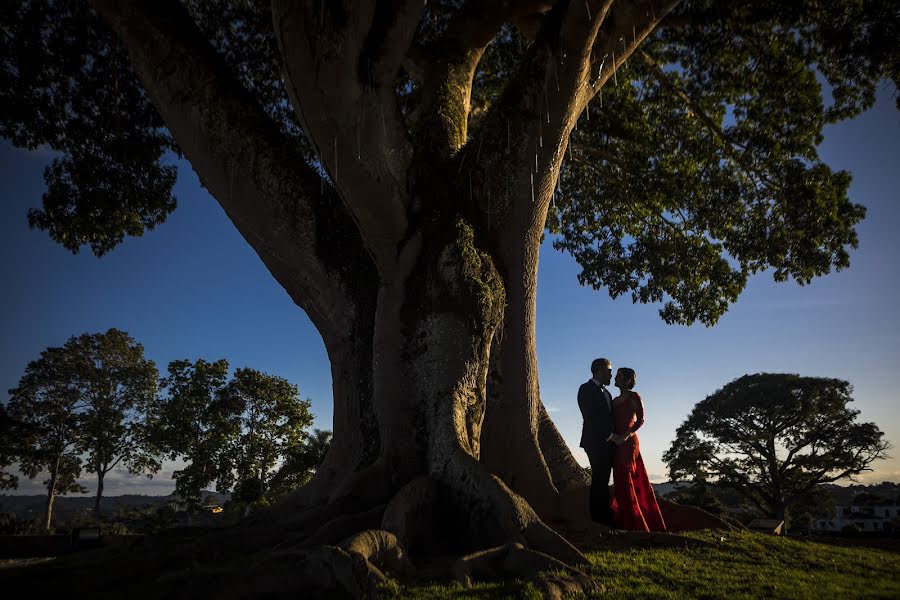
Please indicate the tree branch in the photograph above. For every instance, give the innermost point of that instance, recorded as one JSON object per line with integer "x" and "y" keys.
{"x": 276, "y": 201}
{"x": 447, "y": 67}
{"x": 388, "y": 42}
{"x": 735, "y": 152}
{"x": 353, "y": 124}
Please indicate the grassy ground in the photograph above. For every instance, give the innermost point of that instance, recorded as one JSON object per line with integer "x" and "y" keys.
{"x": 741, "y": 565}
{"x": 734, "y": 566}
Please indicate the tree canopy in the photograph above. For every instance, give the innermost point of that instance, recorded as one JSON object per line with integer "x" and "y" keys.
{"x": 229, "y": 432}
{"x": 117, "y": 386}
{"x": 85, "y": 405}
{"x": 273, "y": 425}
{"x": 696, "y": 169}
{"x": 774, "y": 438}
{"x": 194, "y": 422}
{"x": 45, "y": 406}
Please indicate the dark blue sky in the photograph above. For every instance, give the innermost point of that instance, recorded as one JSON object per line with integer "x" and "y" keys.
{"x": 193, "y": 289}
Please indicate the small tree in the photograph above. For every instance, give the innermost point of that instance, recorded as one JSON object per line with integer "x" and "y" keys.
{"x": 818, "y": 503}
{"x": 45, "y": 406}
{"x": 117, "y": 386}
{"x": 300, "y": 463}
{"x": 773, "y": 438}
{"x": 196, "y": 423}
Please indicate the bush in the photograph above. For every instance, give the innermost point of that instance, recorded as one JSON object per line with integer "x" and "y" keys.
{"x": 106, "y": 527}
{"x": 13, "y": 524}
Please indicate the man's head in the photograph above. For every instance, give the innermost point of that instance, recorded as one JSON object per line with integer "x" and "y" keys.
{"x": 601, "y": 369}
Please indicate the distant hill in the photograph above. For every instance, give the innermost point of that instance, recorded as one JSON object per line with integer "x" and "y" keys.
{"x": 65, "y": 506}
{"x": 662, "y": 489}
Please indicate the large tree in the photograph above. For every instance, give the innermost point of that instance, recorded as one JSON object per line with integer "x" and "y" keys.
{"x": 774, "y": 438}
{"x": 273, "y": 426}
{"x": 98, "y": 389}
{"x": 394, "y": 165}
{"x": 117, "y": 386}
{"x": 195, "y": 423}
{"x": 231, "y": 433}
{"x": 44, "y": 407}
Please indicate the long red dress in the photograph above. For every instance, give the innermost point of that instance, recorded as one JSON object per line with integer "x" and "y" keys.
{"x": 634, "y": 507}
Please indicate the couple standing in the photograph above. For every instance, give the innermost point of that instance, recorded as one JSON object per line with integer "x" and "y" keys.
{"x": 609, "y": 438}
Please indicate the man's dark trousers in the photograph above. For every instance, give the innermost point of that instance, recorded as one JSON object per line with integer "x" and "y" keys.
{"x": 596, "y": 409}
{"x": 601, "y": 468}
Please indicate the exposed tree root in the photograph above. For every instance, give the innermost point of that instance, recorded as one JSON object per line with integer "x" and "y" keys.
{"x": 382, "y": 549}
{"x": 323, "y": 572}
{"x": 345, "y": 526}
{"x": 553, "y": 577}
{"x": 680, "y": 517}
{"x": 558, "y": 585}
{"x": 433, "y": 517}
{"x": 417, "y": 516}
{"x": 356, "y": 491}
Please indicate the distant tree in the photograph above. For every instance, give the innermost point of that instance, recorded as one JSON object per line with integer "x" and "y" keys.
{"x": 46, "y": 405}
{"x": 9, "y": 431}
{"x": 773, "y": 438}
{"x": 317, "y": 444}
{"x": 699, "y": 495}
{"x": 273, "y": 427}
{"x": 867, "y": 497}
{"x": 818, "y": 503}
{"x": 300, "y": 463}
{"x": 195, "y": 422}
{"x": 117, "y": 387}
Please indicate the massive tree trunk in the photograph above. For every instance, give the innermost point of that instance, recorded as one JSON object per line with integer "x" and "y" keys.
{"x": 408, "y": 274}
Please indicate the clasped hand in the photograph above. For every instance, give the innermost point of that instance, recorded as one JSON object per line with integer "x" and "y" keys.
{"x": 618, "y": 439}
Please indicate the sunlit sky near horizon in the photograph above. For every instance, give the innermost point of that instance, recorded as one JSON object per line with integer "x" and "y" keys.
{"x": 194, "y": 289}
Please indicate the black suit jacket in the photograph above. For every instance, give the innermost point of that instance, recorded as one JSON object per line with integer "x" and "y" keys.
{"x": 595, "y": 411}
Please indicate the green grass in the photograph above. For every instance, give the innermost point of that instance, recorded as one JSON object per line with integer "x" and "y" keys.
{"x": 741, "y": 565}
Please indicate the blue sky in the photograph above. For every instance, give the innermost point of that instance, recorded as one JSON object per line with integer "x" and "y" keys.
{"x": 193, "y": 288}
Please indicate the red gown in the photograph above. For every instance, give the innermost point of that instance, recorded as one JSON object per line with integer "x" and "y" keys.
{"x": 634, "y": 506}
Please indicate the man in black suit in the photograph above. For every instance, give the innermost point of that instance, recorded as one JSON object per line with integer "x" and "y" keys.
{"x": 595, "y": 403}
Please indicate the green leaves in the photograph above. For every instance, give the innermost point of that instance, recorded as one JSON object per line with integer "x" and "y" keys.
{"x": 700, "y": 168}
{"x": 774, "y": 437}
{"x": 66, "y": 84}
{"x": 229, "y": 431}
{"x": 274, "y": 422}
{"x": 301, "y": 460}
{"x": 195, "y": 423}
{"x": 83, "y": 406}
{"x": 697, "y": 169}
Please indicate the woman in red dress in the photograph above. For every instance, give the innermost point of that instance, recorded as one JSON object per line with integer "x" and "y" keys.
{"x": 634, "y": 507}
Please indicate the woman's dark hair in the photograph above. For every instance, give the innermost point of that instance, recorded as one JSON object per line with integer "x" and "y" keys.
{"x": 629, "y": 377}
